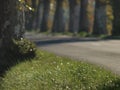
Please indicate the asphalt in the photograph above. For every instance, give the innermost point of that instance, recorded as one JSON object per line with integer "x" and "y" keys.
{"x": 105, "y": 53}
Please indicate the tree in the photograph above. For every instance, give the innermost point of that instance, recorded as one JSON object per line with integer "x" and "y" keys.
{"x": 44, "y": 24}
{"x": 59, "y": 23}
{"x": 11, "y": 23}
{"x": 100, "y": 18}
{"x": 31, "y": 16}
{"x": 84, "y": 23}
{"x": 38, "y": 17}
{"x": 116, "y": 14}
{"x": 90, "y": 15}
{"x": 74, "y": 15}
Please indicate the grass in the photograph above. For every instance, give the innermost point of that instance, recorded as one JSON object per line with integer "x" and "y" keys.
{"x": 112, "y": 37}
{"x": 50, "y": 72}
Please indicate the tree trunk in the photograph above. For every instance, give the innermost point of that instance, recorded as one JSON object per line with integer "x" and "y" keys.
{"x": 74, "y": 16}
{"x": 59, "y": 23}
{"x": 66, "y": 15}
{"x": 11, "y": 23}
{"x": 39, "y": 12}
{"x": 100, "y": 22}
{"x": 90, "y": 11}
{"x": 116, "y": 21}
{"x": 44, "y": 25}
{"x": 51, "y": 15}
{"x": 31, "y": 16}
{"x": 84, "y": 23}
{"x": 20, "y": 28}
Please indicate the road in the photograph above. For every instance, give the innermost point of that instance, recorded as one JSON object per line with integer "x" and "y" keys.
{"x": 105, "y": 53}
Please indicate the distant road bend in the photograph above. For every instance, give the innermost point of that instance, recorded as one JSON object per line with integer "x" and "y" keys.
{"x": 101, "y": 52}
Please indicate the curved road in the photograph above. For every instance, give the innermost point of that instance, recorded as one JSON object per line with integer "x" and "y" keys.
{"x": 105, "y": 53}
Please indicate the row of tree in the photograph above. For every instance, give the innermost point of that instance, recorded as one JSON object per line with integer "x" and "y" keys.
{"x": 91, "y": 16}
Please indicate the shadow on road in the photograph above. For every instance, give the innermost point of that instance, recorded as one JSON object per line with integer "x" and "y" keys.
{"x": 45, "y": 42}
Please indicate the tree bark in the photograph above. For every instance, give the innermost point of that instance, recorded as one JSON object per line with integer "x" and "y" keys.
{"x": 74, "y": 16}
{"x": 11, "y": 23}
{"x": 116, "y": 21}
{"x": 38, "y": 19}
{"x": 44, "y": 24}
{"x": 100, "y": 22}
{"x": 31, "y": 16}
{"x": 59, "y": 23}
{"x": 90, "y": 11}
{"x": 84, "y": 23}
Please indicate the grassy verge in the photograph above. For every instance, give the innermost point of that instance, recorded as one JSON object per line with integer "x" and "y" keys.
{"x": 112, "y": 37}
{"x": 50, "y": 72}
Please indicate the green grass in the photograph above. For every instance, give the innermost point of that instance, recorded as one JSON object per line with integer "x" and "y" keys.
{"x": 112, "y": 37}
{"x": 50, "y": 72}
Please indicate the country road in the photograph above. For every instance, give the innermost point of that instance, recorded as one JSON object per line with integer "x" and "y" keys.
{"x": 105, "y": 53}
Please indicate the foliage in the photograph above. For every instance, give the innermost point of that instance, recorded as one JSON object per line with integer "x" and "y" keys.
{"x": 83, "y": 34}
{"x": 112, "y": 17}
{"x": 50, "y": 72}
{"x": 23, "y": 48}
{"x": 19, "y": 49}
{"x": 26, "y": 4}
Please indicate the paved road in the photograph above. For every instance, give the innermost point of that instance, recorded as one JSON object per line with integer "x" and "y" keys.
{"x": 101, "y": 52}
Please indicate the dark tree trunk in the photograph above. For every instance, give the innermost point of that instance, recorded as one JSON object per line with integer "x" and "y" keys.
{"x": 59, "y": 23}
{"x": 20, "y": 28}
{"x": 100, "y": 22}
{"x": 39, "y": 12}
{"x": 31, "y": 16}
{"x": 11, "y": 23}
{"x": 44, "y": 24}
{"x": 74, "y": 16}
{"x": 84, "y": 23}
{"x": 116, "y": 21}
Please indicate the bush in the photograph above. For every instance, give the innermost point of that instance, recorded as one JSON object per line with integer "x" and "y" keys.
{"x": 23, "y": 48}
{"x": 83, "y": 34}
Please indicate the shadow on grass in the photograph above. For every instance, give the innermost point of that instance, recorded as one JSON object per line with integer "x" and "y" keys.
{"x": 114, "y": 86}
{"x": 112, "y": 38}
{"x": 8, "y": 61}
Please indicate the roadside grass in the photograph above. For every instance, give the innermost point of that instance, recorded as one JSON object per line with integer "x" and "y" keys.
{"x": 50, "y": 72}
{"x": 79, "y": 34}
{"x": 112, "y": 37}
